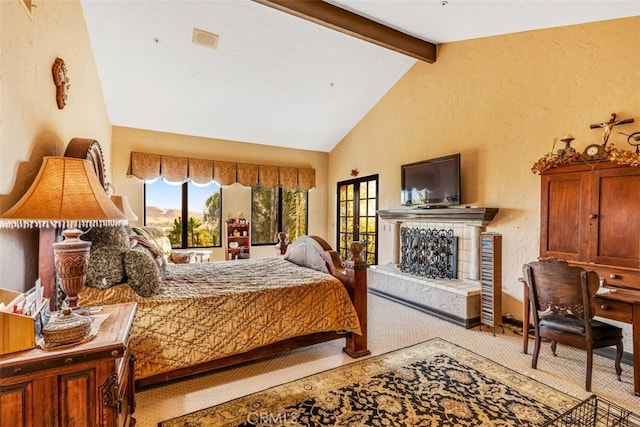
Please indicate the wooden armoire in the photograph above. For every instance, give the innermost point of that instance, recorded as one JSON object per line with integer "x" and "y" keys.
{"x": 590, "y": 216}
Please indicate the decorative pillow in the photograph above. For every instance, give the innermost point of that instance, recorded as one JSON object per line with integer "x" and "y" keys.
{"x": 143, "y": 274}
{"x": 182, "y": 257}
{"x": 306, "y": 252}
{"x": 156, "y": 236}
{"x": 156, "y": 254}
{"x": 108, "y": 246}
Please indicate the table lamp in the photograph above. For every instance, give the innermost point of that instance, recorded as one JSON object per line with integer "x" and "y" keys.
{"x": 66, "y": 193}
{"x": 122, "y": 203}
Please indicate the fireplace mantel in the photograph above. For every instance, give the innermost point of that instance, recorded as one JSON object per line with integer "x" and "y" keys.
{"x": 473, "y": 219}
{"x": 481, "y": 216}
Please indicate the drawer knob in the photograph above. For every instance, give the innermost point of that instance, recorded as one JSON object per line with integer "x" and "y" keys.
{"x": 593, "y": 216}
{"x": 114, "y": 353}
{"x": 17, "y": 370}
{"x": 613, "y": 276}
{"x": 68, "y": 361}
{"x": 604, "y": 307}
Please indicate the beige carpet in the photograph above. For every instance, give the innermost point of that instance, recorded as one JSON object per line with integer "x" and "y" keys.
{"x": 391, "y": 327}
{"x": 429, "y": 384}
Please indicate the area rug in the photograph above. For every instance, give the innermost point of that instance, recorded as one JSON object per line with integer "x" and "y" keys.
{"x": 435, "y": 383}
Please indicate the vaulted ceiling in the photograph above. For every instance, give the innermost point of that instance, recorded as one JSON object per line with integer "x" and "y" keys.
{"x": 277, "y": 79}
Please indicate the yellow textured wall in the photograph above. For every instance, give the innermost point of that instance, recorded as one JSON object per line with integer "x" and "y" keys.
{"x": 31, "y": 125}
{"x": 235, "y": 198}
{"x": 500, "y": 102}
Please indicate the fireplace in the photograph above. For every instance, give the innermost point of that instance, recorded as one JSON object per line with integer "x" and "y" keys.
{"x": 436, "y": 264}
{"x": 429, "y": 252}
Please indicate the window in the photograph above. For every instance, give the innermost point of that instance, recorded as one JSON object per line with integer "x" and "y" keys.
{"x": 274, "y": 209}
{"x": 167, "y": 204}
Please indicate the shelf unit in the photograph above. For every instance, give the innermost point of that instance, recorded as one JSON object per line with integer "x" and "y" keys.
{"x": 240, "y": 234}
{"x": 491, "y": 280}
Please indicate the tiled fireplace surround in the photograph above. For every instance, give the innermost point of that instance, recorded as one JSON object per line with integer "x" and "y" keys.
{"x": 456, "y": 300}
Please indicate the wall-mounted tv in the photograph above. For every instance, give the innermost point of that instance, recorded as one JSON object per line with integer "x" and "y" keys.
{"x": 432, "y": 183}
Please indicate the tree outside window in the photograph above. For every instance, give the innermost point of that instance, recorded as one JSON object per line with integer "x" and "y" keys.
{"x": 274, "y": 209}
{"x": 167, "y": 204}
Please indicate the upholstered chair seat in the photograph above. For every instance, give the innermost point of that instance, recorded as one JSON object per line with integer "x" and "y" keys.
{"x": 574, "y": 326}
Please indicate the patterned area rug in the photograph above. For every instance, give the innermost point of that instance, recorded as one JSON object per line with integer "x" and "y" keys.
{"x": 435, "y": 383}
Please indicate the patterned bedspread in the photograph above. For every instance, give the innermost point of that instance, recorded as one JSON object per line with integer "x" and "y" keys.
{"x": 207, "y": 311}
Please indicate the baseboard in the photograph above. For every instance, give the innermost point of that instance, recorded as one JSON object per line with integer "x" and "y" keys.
{"x": 466, "y": 323}
{"x": 609, "y": 352}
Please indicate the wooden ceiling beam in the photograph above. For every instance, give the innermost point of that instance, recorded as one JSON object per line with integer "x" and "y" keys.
{"x": 356, "y": 25}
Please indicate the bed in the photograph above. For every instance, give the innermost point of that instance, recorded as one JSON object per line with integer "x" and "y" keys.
{"x": 207, "y": 316}
{"x": 195, "y": 318}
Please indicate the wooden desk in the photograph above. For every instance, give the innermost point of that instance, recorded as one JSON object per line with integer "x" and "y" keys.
{"x": 619, "y": 304}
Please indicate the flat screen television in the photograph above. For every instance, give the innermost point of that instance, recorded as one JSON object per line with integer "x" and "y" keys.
{"x": 432, "y": 183}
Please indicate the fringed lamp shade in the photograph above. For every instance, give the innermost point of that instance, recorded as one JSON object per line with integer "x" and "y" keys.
{"x": 66, "y": 193}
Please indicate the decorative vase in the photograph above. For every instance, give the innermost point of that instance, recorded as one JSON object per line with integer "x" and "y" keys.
{"x": 71, "y": 257}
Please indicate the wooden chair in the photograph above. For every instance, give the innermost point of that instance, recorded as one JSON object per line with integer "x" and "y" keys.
{"x": 562, "y": 300}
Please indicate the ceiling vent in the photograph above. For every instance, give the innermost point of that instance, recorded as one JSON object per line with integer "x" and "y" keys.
{"x": 205, "y": 38}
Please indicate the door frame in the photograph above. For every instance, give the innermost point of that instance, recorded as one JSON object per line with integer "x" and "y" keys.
{"x": 356, "y": 210}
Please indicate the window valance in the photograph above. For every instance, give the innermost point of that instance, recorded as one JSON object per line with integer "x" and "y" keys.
{"x": 148, "y": 166}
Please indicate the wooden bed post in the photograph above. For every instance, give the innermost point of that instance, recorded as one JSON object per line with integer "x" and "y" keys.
{"x": 356, "y": 271}
{"x": 353, "y": 275}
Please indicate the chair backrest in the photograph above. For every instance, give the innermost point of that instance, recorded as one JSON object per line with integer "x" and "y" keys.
{"x": 557, "y": 286}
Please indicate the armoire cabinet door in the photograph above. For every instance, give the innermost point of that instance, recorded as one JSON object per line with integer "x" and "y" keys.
{"x": 564, "y": 198}
{"x": 614, "y": 234}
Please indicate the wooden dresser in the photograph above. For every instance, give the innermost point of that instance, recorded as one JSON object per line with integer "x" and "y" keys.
{"x": 90, "y": 384}
{"x": 590, "y": 216}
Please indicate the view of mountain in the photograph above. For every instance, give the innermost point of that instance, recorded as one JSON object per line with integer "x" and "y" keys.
{"x": 164, "y": 218}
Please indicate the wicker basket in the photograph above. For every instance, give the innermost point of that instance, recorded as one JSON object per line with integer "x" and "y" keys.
{"x": 596, "y": 411}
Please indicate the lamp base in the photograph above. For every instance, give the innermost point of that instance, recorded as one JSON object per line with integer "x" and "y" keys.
{"x": 71, "y": 257}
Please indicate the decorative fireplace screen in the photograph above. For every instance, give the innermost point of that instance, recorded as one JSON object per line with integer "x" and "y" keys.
{"x": 429, "y": 252}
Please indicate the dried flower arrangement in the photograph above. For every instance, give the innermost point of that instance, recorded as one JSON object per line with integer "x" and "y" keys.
{"x": 613, "y": 154}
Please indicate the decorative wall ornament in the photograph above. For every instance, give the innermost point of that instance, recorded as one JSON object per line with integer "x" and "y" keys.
{"x": 607, "y": 126}
{"x": 611, "y": 153}
{"x": 567, "y": 149}
{"x": 633, "y": 140}
{"x": 593, "y": 152}
{"x": 61, "y": 80}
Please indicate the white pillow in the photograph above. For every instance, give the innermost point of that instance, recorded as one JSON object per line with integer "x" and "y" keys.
{"x": 306, "y": 252}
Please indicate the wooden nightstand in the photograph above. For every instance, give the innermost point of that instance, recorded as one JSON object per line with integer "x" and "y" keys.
{"x": 90, "y": 384}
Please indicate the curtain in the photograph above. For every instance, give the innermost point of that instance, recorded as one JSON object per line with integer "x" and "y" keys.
{"x": 247, "y": 174}
{"x": 148, "y": 166}
{"x": 306, "y": 178}
{"x": 201, "y": 171}
{"x": 268, "y": 176}
{"x": 288, "y": 178}
{"x": 224, "y": 173}
{"x": 174, "y": 169}
{"x": 145, "y": 166}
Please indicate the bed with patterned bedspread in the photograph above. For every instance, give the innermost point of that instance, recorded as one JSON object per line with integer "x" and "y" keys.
{"x": 205, "y": 312}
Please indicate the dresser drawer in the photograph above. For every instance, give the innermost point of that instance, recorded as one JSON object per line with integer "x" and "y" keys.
{"x": 615, "y": 310}
{"x": 614, "y": 276}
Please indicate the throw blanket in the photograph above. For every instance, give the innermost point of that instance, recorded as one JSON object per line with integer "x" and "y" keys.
{"x": 207, "y": 311}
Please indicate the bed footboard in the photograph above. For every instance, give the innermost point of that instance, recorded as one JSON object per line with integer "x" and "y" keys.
{"x": 353, "y": 274}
